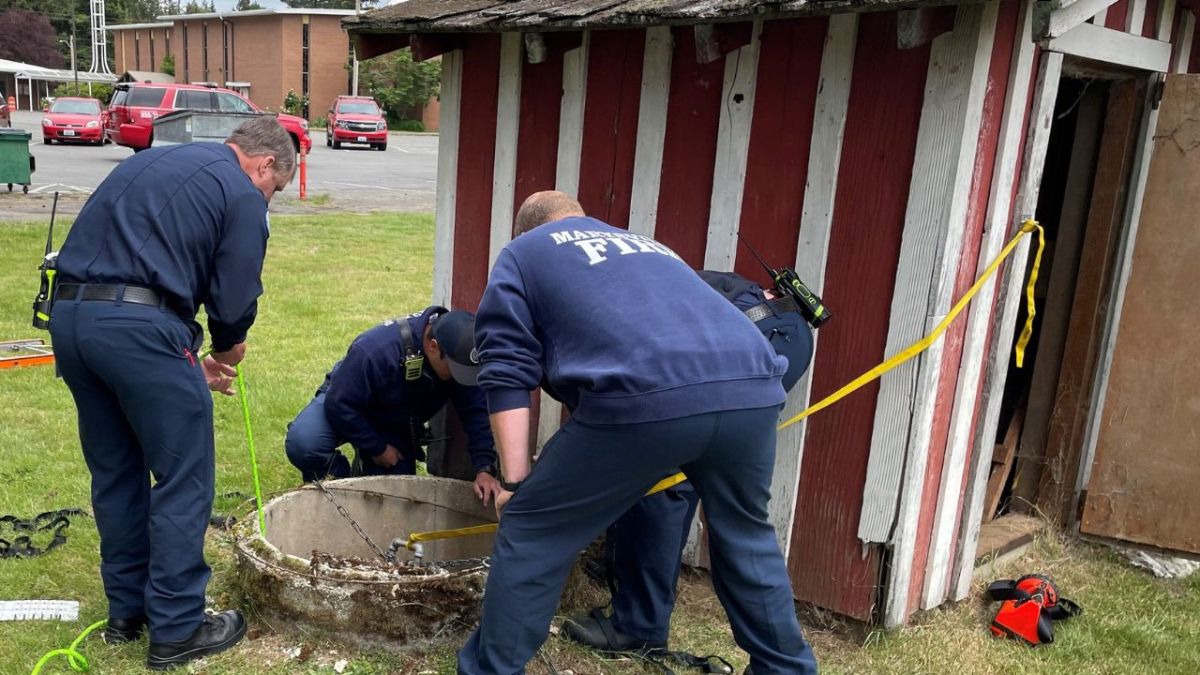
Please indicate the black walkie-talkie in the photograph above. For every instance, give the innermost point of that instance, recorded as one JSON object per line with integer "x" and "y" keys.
{"x": 788, "y": 283}
{"x": 49, "y": 269}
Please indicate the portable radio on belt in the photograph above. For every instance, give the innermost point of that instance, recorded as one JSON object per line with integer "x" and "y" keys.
{"x": 788, "y": 283}
{"x": 49, "y": 269}
{"x": 414, "y": 360}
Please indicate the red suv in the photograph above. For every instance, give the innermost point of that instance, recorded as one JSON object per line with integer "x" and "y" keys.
{"x": 134, "y": 106}
{"x": 355, "y": 119}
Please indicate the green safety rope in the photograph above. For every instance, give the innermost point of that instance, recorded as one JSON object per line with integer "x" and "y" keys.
{"x": 241, "y": 386}
{"x": 78, "y": 661}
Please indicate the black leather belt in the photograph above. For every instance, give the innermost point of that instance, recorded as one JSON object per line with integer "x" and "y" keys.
{"x": 772, "y": 308}
{"x": 138, "y": 295}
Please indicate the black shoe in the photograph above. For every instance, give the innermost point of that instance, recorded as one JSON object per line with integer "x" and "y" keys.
{"x": 218, "y": 633}
{"x": 120, "y": 631}
{"x": 596, "y": 631}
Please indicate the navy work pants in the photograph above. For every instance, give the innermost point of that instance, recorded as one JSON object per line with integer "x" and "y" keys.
{"x": 642, "y": 556}
{"x": 144, "y": 411}
{"x": 312, "y": 446}
{"x": 587, "y": 477}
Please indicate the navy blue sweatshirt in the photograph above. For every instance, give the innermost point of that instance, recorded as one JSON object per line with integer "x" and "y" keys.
{"x": 184, "y": 220}
{"x": 621, "y": 328}
{"x": 369, "y": 403}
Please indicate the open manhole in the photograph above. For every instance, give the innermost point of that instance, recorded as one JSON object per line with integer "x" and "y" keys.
{"x": 313, "y": 567}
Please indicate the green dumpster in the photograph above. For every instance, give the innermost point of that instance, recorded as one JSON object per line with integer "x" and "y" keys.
{"x": 16, "y": 164}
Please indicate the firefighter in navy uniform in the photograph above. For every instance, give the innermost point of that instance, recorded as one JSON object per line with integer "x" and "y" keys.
{"x": 657, "y": 382}
{"x": 393, "y": 379}
{"x": 643, "y": 547}
{"x": 169, "y": 230}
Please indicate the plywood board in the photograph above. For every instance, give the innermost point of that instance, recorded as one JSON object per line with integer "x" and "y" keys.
{"x": 1005, "y": 534}
{"x": 1142, "y": 486}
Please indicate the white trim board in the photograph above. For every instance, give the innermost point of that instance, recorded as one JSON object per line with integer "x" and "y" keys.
{"x": 1187, "y": 35}
{"x": 1166, "y": 19}
{"x": 651, "y": 130}
{"x": 508, "y": 122}
{"x": 1040, "y": 120}
{"x": 447, "y": 176}
{"x": 1052, "y": 19}
{"x": 1136, "y": 18}
{"x": 570, "y": 120}
{"x": 1113, "y": 46}
{"x": 816, "y": 223}
{"x": 943, "y": 169}
{"x": 962, "y": 417}
{"x": 733, "y": 145}
{"x": 566, "y": 179}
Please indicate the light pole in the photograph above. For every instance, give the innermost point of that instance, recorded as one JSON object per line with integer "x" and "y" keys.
{"x": 71, "y": 45}
{"x": 354, "y": 56}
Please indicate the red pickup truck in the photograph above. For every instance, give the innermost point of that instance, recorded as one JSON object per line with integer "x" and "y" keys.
{"x": 134, "y": 106}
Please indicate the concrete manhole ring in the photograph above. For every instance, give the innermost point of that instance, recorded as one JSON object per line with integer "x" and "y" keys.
{"x": 313, "y": 568}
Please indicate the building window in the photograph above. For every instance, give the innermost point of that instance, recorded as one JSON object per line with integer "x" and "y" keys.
{"x": 304, "y": 70}
{"x": 226, "y": 29}
{"x": 153, "y": 62}
{"x": 204, "y": 50}
{"x": 185, "y": 52}
{"x": 350, "y": 72}
{"x": 137, "y": 51}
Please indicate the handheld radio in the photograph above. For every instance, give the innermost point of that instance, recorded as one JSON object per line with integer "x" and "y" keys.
{"x": 788, "y": 283}
{"x": 49, "y": 269}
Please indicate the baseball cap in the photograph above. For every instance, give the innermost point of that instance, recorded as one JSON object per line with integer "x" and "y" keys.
{"x": 455, "y": 332}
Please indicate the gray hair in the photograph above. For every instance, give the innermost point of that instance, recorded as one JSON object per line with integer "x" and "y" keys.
{"x": 545, "y": 207}
{"x": 264, "y": 135}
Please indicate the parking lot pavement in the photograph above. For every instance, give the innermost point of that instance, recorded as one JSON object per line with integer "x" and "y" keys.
{"x": 354, "y": 178}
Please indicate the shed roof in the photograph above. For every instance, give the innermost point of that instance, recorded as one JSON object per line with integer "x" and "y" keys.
{"x": 481, "y": 16}
{"x": 146, "y": 76}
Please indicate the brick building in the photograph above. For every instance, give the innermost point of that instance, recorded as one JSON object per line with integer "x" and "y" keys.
{"x": 261, "y": 53}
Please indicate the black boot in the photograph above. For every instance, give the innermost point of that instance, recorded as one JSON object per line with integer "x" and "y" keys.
{"x": 120, "y": 631}
{"x": 218, "y": 633}
{"x": 597, "y": 631}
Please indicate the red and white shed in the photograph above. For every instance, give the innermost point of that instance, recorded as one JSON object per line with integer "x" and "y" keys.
{"x": 886, "y": 149}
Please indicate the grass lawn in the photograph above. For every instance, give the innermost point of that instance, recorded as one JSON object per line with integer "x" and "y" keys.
{"x": 327, "y": 279}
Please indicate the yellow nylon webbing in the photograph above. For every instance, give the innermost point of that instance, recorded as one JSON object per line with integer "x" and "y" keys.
{"x": 871, "y": 375}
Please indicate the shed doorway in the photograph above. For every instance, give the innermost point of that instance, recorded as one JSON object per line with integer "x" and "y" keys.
{"x": 1082, "y": 205}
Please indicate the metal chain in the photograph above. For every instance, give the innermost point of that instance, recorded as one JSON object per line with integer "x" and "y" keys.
{"x": 353, "y": 524}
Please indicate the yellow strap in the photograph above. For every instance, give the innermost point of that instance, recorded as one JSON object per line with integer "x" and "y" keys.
{"x": 1027, "y": 332}
{"x": 924, "y": 343}
{"x": 414, "y": 538}
{"x": 878, "y": 371}
{"x": 450, "y": 534}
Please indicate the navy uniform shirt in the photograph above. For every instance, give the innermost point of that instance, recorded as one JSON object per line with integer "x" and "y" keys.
{"x": 368, "y": 401}
{"x": 184, "y": 220}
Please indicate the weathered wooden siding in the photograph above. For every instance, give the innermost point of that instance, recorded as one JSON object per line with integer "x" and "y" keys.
{"x": 829, "y": 565}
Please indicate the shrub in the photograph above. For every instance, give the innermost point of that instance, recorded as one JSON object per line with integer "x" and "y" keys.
{"x": 409, "y": 125}
{"x": 103, "y": 92}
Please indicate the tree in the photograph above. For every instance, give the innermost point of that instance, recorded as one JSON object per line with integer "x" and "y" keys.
{"x": 28, "y": 37}
{"x": 328, "y": 4}
{"x": 400, "y": 86}
{"x": 199, "y": 7}
{"x": 246, "y": 5}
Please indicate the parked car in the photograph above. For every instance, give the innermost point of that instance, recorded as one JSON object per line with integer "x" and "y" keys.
{"x": 355, "y": 119}
{"x": 71, "y": 118}
{"x": 134, "y": 107}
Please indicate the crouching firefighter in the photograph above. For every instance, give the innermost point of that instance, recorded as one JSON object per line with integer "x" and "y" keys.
{"x": 393, "y": 379}
{"x": 643, "y": 547}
